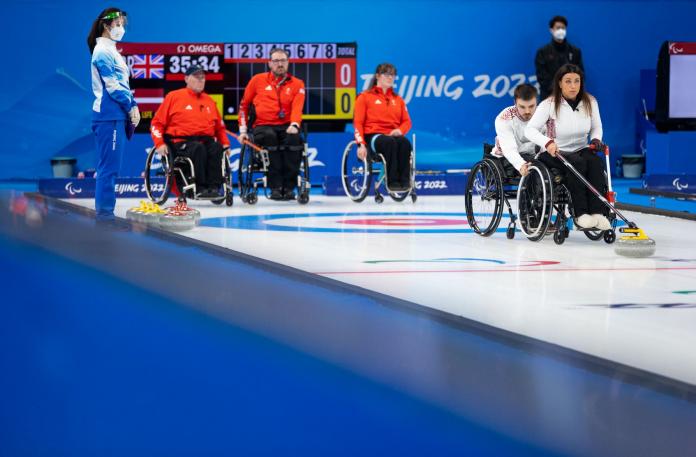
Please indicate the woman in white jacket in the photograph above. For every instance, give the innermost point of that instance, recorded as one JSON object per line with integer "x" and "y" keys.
{"x": 571, "y": 115}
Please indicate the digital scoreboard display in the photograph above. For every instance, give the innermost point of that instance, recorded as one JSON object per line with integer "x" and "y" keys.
{"x": 327, "y": 69}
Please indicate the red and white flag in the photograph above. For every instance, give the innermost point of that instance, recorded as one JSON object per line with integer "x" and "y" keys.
{"x": 148, "y": 99}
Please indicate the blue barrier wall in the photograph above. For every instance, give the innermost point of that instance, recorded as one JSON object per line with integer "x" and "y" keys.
{"x": 457, "y": 60}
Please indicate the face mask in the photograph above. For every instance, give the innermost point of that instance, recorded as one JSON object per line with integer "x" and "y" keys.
{"x": 117, "y": 33}
{"x": 559, "y": 34}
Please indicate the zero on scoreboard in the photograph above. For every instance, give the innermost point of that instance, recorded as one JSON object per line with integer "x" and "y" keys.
{"x": 327, "y": 69}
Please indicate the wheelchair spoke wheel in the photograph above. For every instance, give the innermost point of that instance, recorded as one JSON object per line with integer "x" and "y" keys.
{"x": 245, "y": 172}
{"x": 355, "y": 174}
{"x": 535, "y": 202}
{"x": 484, "y": 198}
{"x": 304, "y": 173}
{"x": 158, "y": 176}
{"x": 594, "y": 235}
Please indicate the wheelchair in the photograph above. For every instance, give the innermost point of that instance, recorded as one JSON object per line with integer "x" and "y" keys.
{"x": 544, "y": 204}
{"x": 253, "y": 173}
{"x": 357, "y": 175}
{"x": 170, "y": 168}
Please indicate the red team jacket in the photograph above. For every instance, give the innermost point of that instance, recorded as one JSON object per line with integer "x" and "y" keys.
{"x": 379, "y": 112}
{"x": 186, "y": 113}
{"x": 265, "y": 93}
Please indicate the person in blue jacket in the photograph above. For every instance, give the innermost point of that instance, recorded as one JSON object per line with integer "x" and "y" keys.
{"x": 114, "y": 112}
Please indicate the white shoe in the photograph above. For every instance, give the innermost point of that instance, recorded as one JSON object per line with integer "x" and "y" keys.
{"x": 601, "y": 222}
{"x": 585, "y": 221}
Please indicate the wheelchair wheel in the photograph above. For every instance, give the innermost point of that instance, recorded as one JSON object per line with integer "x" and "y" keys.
{"x": 609, "y": 236}
{"x": 594, "y": 235}
{"x": 535, "y": 202}
{"x": 245, "y": 173}
{"x": 484, "y": 198}
{"x": 227, "y": 185}
{"x": 158, "y": 176}
{"x": 305, "y": 183}
{"x": 356, "y": 175}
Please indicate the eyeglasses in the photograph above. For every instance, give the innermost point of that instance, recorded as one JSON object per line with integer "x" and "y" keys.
{"x": 390, "y": 75}
{"x": 277, "y": 61}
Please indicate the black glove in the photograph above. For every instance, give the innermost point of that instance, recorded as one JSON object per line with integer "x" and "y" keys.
{"x": 597, "y": 145}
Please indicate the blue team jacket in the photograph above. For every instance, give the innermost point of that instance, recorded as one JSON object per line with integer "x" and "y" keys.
{"x": 113, "y": 97}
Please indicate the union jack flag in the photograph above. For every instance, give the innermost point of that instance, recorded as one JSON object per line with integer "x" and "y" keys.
{"x": 147, "y": 66}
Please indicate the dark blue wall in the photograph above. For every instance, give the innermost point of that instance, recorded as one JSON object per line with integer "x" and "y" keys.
{"x": 457, "y": 40}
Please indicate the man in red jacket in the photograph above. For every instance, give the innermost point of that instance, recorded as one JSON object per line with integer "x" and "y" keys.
{"x": 278, "y": 99}
{"x": 190, "y": 120}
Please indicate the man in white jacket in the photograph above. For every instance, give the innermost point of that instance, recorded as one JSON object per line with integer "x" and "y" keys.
{"x": 510, "y": 141}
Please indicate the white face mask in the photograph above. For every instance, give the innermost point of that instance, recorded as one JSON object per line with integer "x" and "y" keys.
{"x": 559, "y": 34}
{"x": 117, "y": 33}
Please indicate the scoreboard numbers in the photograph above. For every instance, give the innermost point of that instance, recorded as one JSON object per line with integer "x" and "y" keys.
{"x": 327, "y": 69}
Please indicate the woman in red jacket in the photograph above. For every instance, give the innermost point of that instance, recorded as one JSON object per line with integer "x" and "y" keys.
{"x": 381, "y": 120}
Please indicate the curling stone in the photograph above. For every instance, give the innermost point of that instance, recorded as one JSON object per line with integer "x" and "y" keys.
{"x": 182, "y": 207}
{"x": 136, "y": 213}
{"x": 177, "y": 221}
{"x": 636, "y": 244}
{"x": 152, "y": 213}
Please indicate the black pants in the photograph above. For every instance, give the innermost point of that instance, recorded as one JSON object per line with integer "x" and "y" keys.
{"x": 284, "y": 152}
{"x": 206, "y": 156}
{"x": 592, "y": 168}
{"x": 397, "y": 152}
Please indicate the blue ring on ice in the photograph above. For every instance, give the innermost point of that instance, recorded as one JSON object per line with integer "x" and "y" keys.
{"x": 261, "y": 222}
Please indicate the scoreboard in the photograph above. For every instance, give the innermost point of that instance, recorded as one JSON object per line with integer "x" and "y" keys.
{"x": 327, "y": 69}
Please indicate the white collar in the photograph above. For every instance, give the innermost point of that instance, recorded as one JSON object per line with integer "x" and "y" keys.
{"x": 106, "y": 42}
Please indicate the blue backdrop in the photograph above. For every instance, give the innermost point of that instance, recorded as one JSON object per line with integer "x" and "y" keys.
{"x": 457, "y": 61}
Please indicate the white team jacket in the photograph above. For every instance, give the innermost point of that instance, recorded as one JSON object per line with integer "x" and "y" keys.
{"x": 510, "y": 140}
{"x": 570, "y": 129}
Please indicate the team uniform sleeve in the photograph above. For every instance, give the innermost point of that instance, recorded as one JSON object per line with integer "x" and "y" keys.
{"x": 505, "y": 136}
{"x": 359, "y": 119}
{"x": 249, "y": 94}
{"x": 537, "y": 123}
{"x": 158, "y": 126}
{"x": 117, "y": 90}
{"x": 298, "y": 104}
{"x": 405, "y": 125}
{"x": 596, "y": 130}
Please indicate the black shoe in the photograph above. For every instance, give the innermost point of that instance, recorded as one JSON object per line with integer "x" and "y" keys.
{"x": 276, "y": 194}
{"x": 398, "y": 187}
{"x": 289, "y": 195}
